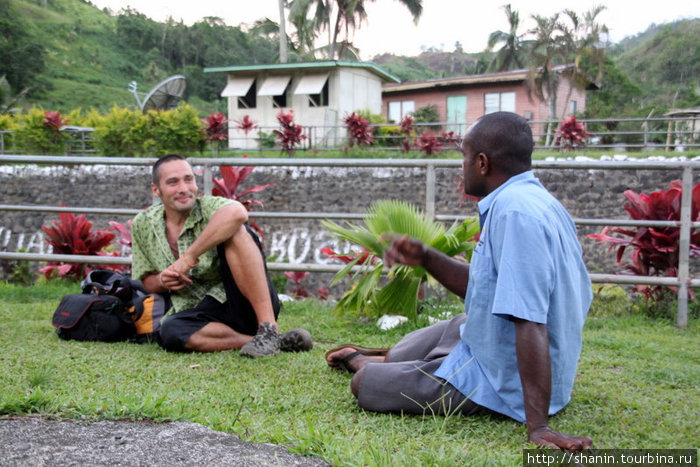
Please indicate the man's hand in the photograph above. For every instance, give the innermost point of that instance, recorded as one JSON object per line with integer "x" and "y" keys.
{"x": 172, "y": 279}
{"x": 547, "y": 437}
{"x": 405, "y": 251}
{"x": 452, "y": 274}
{"x": 532, "y": 349}
{"x": 183, "y": 265}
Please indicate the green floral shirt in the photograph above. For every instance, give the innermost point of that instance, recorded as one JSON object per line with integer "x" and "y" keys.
{"x": 151, "y": 253}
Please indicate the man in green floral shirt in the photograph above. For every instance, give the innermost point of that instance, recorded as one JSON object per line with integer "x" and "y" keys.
{"x": 200, "y": 252}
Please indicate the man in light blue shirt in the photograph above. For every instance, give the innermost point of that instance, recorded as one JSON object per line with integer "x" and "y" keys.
{"x": 526, "y": 290}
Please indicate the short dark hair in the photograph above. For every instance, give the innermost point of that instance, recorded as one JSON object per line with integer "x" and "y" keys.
{"x": 162, "y": 160}
{"x": 506, "y": 138}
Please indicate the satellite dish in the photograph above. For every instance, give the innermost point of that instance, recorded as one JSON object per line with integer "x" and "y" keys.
{"x": 164, "y": 95}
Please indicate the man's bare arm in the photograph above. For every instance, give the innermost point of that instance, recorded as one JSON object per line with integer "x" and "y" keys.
{"x": 224, "y": 223}
{"x": 532, "y": 349}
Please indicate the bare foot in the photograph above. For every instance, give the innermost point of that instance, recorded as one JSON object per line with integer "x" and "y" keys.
{"x": 352, "y": 360}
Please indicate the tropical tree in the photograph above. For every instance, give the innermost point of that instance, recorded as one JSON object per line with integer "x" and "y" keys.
{"x": 336, "y": 16}
{"x": 585, "y": 42}
{"x": 548, "y": 50}
{"x": 283, "y": 31}
{"x": 22, "y": 51}
{"x": 8, "y": 99}
{"x": 512, "y": 56}
{"x": 306, "y": 27}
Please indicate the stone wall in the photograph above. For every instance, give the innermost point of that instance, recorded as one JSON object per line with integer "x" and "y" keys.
{"x": 585, "y": 193}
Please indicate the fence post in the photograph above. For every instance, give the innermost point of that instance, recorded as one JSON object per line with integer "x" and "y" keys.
{"x": 207, "y": 184}
{"x": 430, "y": 191}
{"x": 684, "y": 248}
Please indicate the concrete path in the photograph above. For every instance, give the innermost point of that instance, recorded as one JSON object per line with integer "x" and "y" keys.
{"x": 36, "y": 441}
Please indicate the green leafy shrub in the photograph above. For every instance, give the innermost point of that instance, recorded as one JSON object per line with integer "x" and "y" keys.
{"x": 92, "y": 118}
{"x": 266, "y": 140}
{"x": 121, "y": 132}
{"x": 39, "y": 132}
{"x": 609, "y": 300}
{"x": 178, "y": 130}
{"x": 383, "y": 135}
{"x": 125, "y": 132}
{"x": 8, "y": 123}
{"x": 426, "y": 114}
{"x": 384, "y": 220}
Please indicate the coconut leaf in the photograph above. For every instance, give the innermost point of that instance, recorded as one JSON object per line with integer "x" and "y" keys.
{"x": 383, "y": 220}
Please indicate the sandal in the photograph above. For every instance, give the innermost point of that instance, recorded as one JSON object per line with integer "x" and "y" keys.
{"x": 342, "y": 364}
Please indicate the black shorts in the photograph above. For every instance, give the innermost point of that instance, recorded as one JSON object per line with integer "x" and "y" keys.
{"x": 237, "y": 313}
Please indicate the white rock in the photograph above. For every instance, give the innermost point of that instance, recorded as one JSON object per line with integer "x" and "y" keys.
{"x": 387, "y": 322}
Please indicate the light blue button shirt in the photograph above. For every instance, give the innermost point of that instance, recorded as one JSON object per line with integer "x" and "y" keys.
{"x": 527, "y": 264}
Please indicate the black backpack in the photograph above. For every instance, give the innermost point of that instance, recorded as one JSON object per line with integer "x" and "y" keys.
{"x": 92, "y": 317}
{"x": 113, "y": 307}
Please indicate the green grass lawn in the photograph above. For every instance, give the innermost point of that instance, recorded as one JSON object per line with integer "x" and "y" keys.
{"x": 638, "y": 386}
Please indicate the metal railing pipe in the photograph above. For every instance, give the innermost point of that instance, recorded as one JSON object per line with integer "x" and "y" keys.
{"x": 684, "y": 248}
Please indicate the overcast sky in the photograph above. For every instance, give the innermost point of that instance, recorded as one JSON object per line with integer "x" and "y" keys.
{"x": 390, "y": 27}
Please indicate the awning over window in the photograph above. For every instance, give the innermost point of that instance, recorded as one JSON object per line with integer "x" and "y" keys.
{"x": 237, "y": 87}
{"x": 311, "y": 84}
{"x": 274, "y": 86}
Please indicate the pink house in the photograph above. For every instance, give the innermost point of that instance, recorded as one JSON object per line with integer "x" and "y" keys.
{"x": 461, "y": 100}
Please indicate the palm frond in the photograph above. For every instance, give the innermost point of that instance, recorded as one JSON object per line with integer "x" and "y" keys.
{"x": 385, "y": 219}
{"x": 399, "y": 297}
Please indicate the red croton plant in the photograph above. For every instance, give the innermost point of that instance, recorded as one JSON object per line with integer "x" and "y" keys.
{"x": 290, "y": 135}
{"x": 571, "y": 134}
{"x": 73, "y": 235}
{"x": 229, "y": 186}
{"x": 54, "y": 121}
{"x": 406, "y": 129}
{"x": 428, "y": 143}
{"x": 359, "y": 131}
{"x": 246, "y": 124}
{"x": 654, "y": 250}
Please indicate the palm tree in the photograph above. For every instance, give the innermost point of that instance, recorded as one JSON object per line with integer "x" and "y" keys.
{"x": 585, "y": 41}
{"x": 283, "y": 32}
{"x": 335, "y": 16}
{"x": 548, "y": 50}
{"x": 511, "y": 55}
{"x": 307, "y": 28}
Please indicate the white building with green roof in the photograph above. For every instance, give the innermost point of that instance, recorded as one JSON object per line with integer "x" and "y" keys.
{"x": 320, "y": 93}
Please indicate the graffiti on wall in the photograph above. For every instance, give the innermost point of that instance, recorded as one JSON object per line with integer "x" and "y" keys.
{"x": 296, "y": 246}
{"x": 23, "y": 241}
{"x": 302, "y": 245}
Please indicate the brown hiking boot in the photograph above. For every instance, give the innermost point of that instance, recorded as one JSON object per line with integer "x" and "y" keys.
{"x": 265, "y": 343}
{"x": 296, "y": 340}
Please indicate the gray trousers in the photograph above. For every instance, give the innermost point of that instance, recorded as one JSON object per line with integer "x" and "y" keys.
{"x": 405, "y": 382}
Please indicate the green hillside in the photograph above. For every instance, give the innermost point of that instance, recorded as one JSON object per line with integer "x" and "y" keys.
{"x": 84, "y": 64}
{"x": 84, "y": 58}
{"x": 665, "y": 60}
